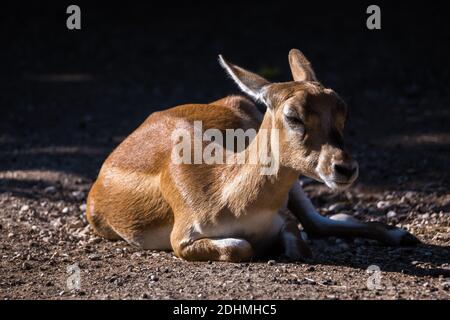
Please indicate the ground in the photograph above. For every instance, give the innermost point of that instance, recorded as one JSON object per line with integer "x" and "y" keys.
{"x": 68, "y": 99}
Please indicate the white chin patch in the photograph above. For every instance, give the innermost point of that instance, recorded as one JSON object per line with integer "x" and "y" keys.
{"x": 333, "y": 185}
{"x": 336, "y": 186}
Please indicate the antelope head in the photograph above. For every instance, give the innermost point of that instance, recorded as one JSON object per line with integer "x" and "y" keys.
{"x": 310, "y": 119}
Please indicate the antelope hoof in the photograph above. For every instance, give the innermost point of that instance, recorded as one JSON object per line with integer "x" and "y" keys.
{"x": 401, "y": 238}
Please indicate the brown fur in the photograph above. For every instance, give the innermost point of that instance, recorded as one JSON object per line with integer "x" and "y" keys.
{"x": 227, "y": 212}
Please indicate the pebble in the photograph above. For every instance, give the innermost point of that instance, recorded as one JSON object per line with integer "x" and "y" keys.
{"x": 24, "y": 208}
{"x": 337, "y": 206}
{"x": 310, "y": 281}
{"x": 26, "y": 266}
{"x": 271, "y": 262}
{"x": 154, "y": 278}
{"x": 383, "y": 204}
{"x": 329, "y": 282}
{"x": 304, "y": 236}
{"x": 94, "y": 240}
{"x": 409, "y": 195}
{"x": 94, "y": 257}
{"x": 391, "y": 214}
{"x": 65, "y": 210}
{"x": 79, "y": 195}
{"x": 50, "y": 190}
{"x": 83, "y": 207}
{"x": 446, "y": 286}
{"x": 425, "y": 216}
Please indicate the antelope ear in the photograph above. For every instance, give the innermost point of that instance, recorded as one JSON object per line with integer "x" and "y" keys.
{"x": 300, "y": 66}
{"x": 249, "y": 82}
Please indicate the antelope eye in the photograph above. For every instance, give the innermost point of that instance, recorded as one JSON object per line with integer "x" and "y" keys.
{"x": 294, "y": 120}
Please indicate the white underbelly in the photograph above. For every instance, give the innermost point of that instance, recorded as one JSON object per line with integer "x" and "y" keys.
{"x": 255, "y": 227}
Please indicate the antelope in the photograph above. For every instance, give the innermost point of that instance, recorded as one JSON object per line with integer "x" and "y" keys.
{"x": 232, "y": 212}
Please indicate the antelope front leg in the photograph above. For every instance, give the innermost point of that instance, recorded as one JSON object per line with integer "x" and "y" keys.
{"x": 190, "y": 246}
{"x": 221, "y": 249}
{"x": 317, "y": 225}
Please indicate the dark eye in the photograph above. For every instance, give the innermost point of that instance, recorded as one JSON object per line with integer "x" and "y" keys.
{"x": 294, "y": 120}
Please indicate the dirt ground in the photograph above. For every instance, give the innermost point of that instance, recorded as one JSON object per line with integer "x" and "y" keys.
{"x": 69, "y": 97}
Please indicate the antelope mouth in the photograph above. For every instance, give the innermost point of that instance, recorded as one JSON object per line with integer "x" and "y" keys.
{"x": 338, "y": 185}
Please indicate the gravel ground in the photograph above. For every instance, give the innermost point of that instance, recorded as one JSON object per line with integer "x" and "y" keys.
{"x": 69, "y": 98}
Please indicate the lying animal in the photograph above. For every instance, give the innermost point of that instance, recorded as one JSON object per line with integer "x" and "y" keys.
{"x": 234, "y": 210}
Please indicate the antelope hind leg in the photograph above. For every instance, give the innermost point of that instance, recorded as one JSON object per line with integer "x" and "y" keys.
{"x": 343, "y": 225}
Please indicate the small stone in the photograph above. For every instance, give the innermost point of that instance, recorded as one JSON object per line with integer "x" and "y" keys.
{"x": 65, "y": 210}
{"x": 391, "y": 214}
{"x": 409, "y": 195}
{"x": 446, "y": 285}
{"x": 26, "y": 266}
{"x": 83, "y": 207}
{"x": 425, "y": 216}
{"x": 79, "y": 195}
{"x": 50, "y": 190}
{"x": 329, "y": 282}
{"x": 62, "y": 293}
{"x": 94, "y": 240}
{"x": 337, "y": 206}
{"x": 309, "y": 281}
{"x": 271, "y": 262}
{"x": 10, "y": 235}
{"x": 304, "y": 236}
{"x": 383, "y": 204}
{"x": 144, "y": 296}
{"x": 24, "y": 208}
{"x": 154, "y": 278}
{"x": 94, "y": 257}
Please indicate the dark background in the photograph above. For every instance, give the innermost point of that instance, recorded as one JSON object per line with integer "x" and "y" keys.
{"x": 68, "y": 97}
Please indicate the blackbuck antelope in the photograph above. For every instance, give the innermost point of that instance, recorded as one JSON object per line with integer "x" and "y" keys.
{"x": 234, "y": 211}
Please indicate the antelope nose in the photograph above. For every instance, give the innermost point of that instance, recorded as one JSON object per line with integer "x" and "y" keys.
{"x": 346, "y": 170}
